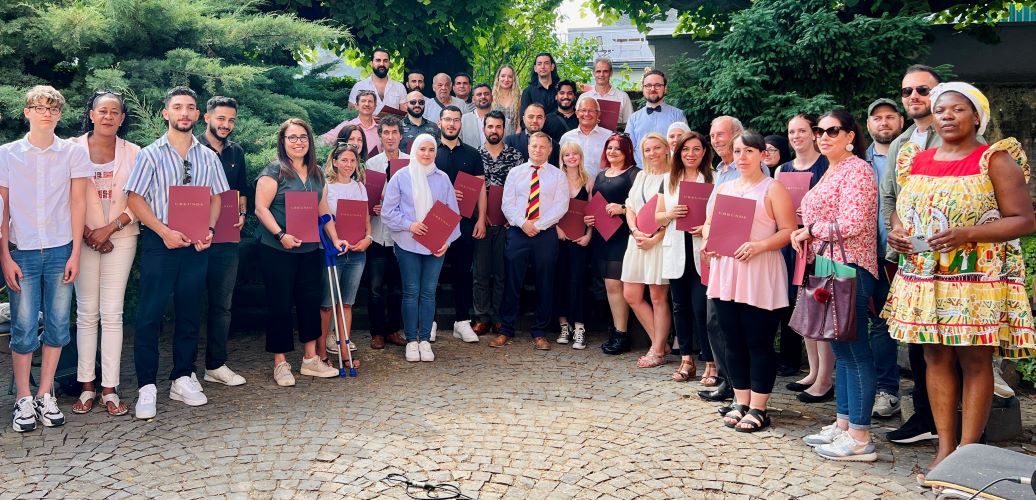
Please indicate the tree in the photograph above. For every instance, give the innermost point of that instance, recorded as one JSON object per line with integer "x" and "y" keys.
{"x": 529, "y": 30}
{"x": 782, "y": 57}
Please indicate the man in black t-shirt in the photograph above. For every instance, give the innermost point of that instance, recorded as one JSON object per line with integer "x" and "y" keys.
{"x": 564, "y": 118}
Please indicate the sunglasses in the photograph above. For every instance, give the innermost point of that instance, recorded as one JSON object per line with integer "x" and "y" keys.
{"x": 831, "y": 132}
{"x": 107, "y": 92}
{"x": 922, "y": 90}
{"x": 416, "y": 102}
{"x": 186, "y": 172}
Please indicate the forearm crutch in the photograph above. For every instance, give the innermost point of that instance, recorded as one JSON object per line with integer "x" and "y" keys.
{"x": 347, "y": 347}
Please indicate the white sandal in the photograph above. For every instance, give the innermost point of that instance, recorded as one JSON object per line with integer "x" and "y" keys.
{"x": 86, "y": 400}
{"x": 114, "y": 399}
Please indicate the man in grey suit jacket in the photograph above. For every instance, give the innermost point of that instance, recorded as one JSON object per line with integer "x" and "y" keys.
{"x": 472, "y": 125}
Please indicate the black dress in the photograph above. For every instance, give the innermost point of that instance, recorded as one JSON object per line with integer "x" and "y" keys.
{"x": 570, "y": 274}
{"x": 607, "y": 255}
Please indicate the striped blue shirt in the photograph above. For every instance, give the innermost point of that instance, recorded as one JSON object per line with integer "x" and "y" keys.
{"x": 159, "y": 166}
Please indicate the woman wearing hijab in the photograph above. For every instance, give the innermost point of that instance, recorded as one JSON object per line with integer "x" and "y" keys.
{"x": 673, "y": 135}
{"x": 409, "y": 196}
{"x": 777, "y": 152}
{"x": 959, "y": 289}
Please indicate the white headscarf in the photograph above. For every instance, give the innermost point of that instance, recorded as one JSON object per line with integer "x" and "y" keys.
{"x": 977, "y": 98}
{"x": 419, "y": 178}
{"x": 678, "y": 126}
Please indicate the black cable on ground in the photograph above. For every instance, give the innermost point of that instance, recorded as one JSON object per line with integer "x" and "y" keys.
{"x": 427, "y": 491}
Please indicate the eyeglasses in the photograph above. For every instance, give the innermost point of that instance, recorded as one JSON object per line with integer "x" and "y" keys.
{"x": 922, "y": 90}
{"x": 587, "y": 111}
{"x": 771, "y": 151}
{"x": 186, "y": 172}
{"x": 653, "y": 85}
{"x": 54, "y": 110}
{"x": 831, "y": 132}
{"x": 297, "y": 138}
{"x": 415, "y": 102}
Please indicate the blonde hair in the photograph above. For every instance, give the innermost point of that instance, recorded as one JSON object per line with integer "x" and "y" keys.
{"x": 516, "y": 95}
{"x": 567, "y": 147}
{"x": 331, "y": 172}
{"x": 665, "y": 144}
{"x": 46, "y": 93}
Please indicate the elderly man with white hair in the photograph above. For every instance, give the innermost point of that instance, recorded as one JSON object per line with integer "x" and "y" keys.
{"x": 590, "y": 136}
{"x": 442, "y": 84}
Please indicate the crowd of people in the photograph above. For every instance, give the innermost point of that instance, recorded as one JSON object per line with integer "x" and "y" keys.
{"x": 928, "y": 218}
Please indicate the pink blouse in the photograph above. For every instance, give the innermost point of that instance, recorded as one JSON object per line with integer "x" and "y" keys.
{"x": 847, "y": 195}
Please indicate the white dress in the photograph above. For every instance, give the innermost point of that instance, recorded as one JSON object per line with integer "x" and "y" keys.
{"x": 643, "y": 266}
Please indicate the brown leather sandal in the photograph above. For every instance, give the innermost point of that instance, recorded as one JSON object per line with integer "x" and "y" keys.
{"x": 685, "y": 372}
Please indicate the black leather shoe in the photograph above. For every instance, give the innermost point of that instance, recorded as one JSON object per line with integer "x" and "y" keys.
{"x": 797, "y": 387}
{"x": 806, "y": 397}
{"x": 722, "y": 392}
{"x": 620, "y": 345}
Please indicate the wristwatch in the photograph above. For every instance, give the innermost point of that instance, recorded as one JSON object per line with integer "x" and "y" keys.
{"x": 279, "y": 235}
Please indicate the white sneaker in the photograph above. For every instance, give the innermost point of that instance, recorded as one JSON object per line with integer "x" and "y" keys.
{"x": 1000, "y": 387}
{"x": 412, "y": 352}
{"x": 425, "y": 350}
{"x": 431, "y": 334}
{"x": 331, "y": 343}
{"x": 566, "y": 333}
{"x": 885, "y": 405}
{"x": 187, "y": 391}
{"x": 282, "y": 374}
{"x": 47, "y": 411}
{"x": 462, "y": 330}
{"x": 316, "y": 368}
{"x": 195, "y": 383}
{"x": 223, "y": 375}
{"x": 579, "y": 337}
{"x": 24, "y": 415}
{"x": 845, "y": 448}
{"x": 146, "y": 402}
{"x": 827, "y": 435}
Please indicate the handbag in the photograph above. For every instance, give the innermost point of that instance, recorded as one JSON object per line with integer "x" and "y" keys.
{"x": 825, "y": 307}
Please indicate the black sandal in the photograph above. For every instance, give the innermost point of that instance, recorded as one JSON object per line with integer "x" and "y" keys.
{"x": 737, "y": 412}
{"x": 723, "y": 410}
{"x": 763, "y": 421}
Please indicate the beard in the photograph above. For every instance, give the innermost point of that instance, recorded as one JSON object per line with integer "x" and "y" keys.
{"x": 494, "y": 139}
{"x": 654, "y": 99}
{"x": 924, "y": 113}
{"x": 414, "y": 113}
{"x": 449, "y": 137}
{"x": 569, "y": 107}
{"x": 176, "y": 126}
{"x": 885, "y": 137}
{"x": 215, "y": 133}
{"x": 380, "y": 71}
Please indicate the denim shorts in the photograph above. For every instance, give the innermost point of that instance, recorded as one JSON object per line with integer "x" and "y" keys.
{"x": 42, "y": 290}
{"x": 350, "y": 269}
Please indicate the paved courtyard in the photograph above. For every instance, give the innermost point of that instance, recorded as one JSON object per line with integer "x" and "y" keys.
{"x": 498, "y": 423}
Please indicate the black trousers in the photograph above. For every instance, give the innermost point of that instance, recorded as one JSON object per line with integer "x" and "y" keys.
{"x": 519, "y": 251}
{"x": 179, "y": 273}
{"x": 918, "y": 367}
{"x": 751, "y": 360}
{"x": 220, "y": 281}
{"x": 791, "y": 342}
{"x": 383, "y": 285}
{"x": 570, "y": 285}
{"x": 292, "y": 279}
{"x": 461, "y": 259}
{"x": 690, "y": 318}
{"x": 717, "y": 341}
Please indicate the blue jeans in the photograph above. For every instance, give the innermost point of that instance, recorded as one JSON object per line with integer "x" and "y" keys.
{"x": 854, "y": 363}
{"x": 350, "y": 269}
{"x": 884, "y": 346}
{"x": 420, "y": 275}
{"x": 42, "y": 290}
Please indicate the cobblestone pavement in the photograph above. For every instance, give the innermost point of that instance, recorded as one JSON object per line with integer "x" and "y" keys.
{"x": 499, "y": 423}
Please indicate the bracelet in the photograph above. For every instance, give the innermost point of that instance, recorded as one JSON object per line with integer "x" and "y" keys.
{"x": 279, "y": 235}
{"x": 118, "y": 224}
{"x": 212, "y": 230}
{"x": 809, "y": 230}
{"x": 241, "y": 214}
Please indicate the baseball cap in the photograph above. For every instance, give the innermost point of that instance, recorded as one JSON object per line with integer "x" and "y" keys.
{"x": 881, "y": 102}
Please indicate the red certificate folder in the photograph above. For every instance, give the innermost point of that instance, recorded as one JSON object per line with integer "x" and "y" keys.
{"x": 301, "y": 215}
{"x": 495, "y": 210}
{"x": 373, "y": 152}
{"x": 609, "y": 114}
{"x": 695, "y": 196}
{"x": 800, "y": 266}
{"x": 351, "y": 220}
{"x": 374, "y": 181}
{"x": 395, "y": 165}
{"x": 797, "y": 184}
{"x": 225, "y": 230}
{"x": 441, "y": 221}
{"x": 471, "y": 187}
{"x": 572, "y": 222}
{"x": 646, "y": 217}
{"x": 731, "y": 224}
{"x": 389, "y": 110}
{"x": 605, "y": 224}
{"x": 705, "y": 261}
{"x": 189, "y": 211}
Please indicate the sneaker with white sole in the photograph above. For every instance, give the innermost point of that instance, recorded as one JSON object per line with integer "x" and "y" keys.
{"x": 847, "y": 449}
{"x": 431, "y": 334}
{"x": 195, "y": 383}
{"x": 313, "y": 367}
{"x": 146, "y": 402}
{"x": 565, "y": 335}
{"x": 47, "y": 411}
{"x": 827, "y": 435}
{"x": 224, "y": 375}
{"x": 187, "y": 392}
{"x": 24, "y": 415}
{"x": 331, "y": 343}
{"x": 282, "y": 374}
{"x": 579, "y": 337}
{"x": 885, "y": 405}
{"x": 412, "y": 352}
{"x": 462, "y": 330}
{"x": 425, "y": 350}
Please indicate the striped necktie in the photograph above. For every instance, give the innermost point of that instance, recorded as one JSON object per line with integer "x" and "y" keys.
{"x": 533, "y": 212}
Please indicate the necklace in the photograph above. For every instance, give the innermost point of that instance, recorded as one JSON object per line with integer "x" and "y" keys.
{"x": 742, "y": 189}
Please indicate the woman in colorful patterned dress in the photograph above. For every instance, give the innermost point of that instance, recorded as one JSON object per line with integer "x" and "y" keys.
{"x": 959, "y": 290}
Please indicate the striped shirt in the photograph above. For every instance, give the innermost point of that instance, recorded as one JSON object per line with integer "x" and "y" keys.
{"x": 159, "y": 166}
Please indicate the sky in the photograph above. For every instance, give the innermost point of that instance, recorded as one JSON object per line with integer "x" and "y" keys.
{"x": 570, "y": 9}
